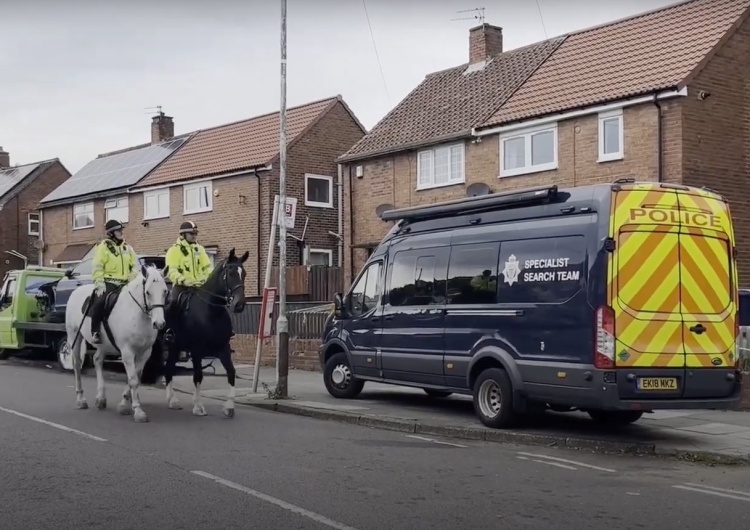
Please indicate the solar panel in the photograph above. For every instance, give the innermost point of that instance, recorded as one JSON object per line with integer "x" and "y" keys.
{"x": 114, "y": 171}
{"x": 11, "y": 176}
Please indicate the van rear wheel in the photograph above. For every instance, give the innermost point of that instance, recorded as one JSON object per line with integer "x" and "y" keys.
{"x": 493, "y": 399}
{"x": 615, "y": 417}
{"x": 339, "y": 379}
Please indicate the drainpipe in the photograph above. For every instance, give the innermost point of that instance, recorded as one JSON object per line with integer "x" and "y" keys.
{"x": 340, "y": 192}
{"x": 41, "y": 238}
{"x": 260, "y": 236}
{"x": 659, "y": 140}
{"x": 351, "y": 225}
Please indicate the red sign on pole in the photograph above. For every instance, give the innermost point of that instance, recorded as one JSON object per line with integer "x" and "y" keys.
{"x": 267, "y": 306}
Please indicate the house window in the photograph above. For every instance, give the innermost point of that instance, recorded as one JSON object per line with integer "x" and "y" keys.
{"x": 116, "y": 209}
{"x": 528, "y": 151}
{"x": 319, "y": 256}
{"x": 211, "y": 253}
{"x": 610, "y": 136}
{"x": 34, "y": 224}
{"x": 441, "y": 166}
{"x": 318, "y": 191}
{"x": 156, "y": 204}
{"x": 197, "y": 197}
{"x": 83, "y": 215}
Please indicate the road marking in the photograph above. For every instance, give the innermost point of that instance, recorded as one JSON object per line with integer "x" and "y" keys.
{"x": 273, "y": 500}
{"x": 572, "y": 462}
{"x": 424, "y": 438}
{"x": 53, "y": 424}
{"x": 719, "y": 492}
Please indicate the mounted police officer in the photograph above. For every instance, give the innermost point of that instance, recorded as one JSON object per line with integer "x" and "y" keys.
{"x": 113, "y": 266}
{"x": 189, "y": 266}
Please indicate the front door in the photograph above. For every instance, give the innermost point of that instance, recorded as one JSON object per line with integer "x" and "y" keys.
{"x": 363, "y": 328}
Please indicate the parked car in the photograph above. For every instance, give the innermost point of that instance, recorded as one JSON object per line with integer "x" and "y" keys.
{"x": 613, "y": 299}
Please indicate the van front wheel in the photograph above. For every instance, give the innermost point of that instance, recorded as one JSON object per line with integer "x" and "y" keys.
{"x": 493, "y": 399}
{"x": 616, "y": 417}
{"x": 339, "y": 380}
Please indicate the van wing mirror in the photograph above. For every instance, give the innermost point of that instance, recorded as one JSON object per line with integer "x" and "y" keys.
{"x": 68, "y": 273}
{"x": 339, "y": 305}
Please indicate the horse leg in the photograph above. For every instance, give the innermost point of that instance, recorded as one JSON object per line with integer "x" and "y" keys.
{"x": 77, "y": 351}
{"x": 226, "y": 362}
{"x": 198, "y": 409}
{"x": 169, "y": 370}
{"x": 128, "y": 359}
{"x": 101, "y": 398}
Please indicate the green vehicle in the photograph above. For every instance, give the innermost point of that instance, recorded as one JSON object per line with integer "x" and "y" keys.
{"x": 24, "y": 308}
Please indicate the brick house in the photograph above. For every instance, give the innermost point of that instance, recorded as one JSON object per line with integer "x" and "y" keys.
{"x": 224, "y": 179}
{"x": 658, "y": 96}
{"x": 21, "y": 187}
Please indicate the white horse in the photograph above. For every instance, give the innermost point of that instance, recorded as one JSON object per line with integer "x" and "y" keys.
{"x": 134, "y": 322}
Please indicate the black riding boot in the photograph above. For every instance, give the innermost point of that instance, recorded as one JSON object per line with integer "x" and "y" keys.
{"x": 96, "y": 320}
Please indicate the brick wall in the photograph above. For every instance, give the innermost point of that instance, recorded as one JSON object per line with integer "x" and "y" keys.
{"x": 303, "y": 354}
{"x": 58, "y": 229}
{"x": 393, "y": 179}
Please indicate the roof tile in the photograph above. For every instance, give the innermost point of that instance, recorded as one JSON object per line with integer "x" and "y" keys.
{"x": 640, "y": 55}
{"x": 450, "y": 101}
{"x": 235, "y": 146}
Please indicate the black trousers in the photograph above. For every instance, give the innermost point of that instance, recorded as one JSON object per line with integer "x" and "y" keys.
{"x": 97, "y": 305}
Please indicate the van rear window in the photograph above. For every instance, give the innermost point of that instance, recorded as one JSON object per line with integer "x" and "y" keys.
{"x": 541, "y": 271}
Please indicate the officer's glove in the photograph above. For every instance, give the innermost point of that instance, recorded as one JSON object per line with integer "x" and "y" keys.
{"x": 99, "y": 288}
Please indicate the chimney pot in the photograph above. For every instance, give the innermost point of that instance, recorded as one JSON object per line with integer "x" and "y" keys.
{"x": 4, "y": 158}
{"x": 162, "y": 128}
{"x": 485, "y": 41}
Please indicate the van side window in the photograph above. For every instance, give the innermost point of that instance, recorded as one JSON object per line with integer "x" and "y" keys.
{"x": 365, "y": 295}
{"x": 413, "y": 280}
{"x": 541, "y": 271}
{"x": 9, "y": 292}
{"x": 472, "y": 274}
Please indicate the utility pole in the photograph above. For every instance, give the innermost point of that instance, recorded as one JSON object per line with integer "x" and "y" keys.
{"x": 282, "y": 324}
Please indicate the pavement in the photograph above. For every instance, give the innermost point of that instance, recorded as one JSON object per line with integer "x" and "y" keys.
{"x": 711, "y": 436}
{"x": 69, "y": 468}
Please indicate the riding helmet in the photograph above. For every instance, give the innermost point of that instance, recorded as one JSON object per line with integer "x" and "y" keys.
{"x": 188, "y": 227}
{"x": 113, "y": 226}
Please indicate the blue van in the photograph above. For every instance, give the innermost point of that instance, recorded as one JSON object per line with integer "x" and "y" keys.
{"x": 614, "y": 299}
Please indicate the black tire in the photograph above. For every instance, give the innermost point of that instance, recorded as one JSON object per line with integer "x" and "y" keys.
{"x": 5, "y": 354}
{"x": 615, "y": 417}
{"x": 437, "y": 393}
{"x": 336, "y": 368}
{"x": 493, "y": 390}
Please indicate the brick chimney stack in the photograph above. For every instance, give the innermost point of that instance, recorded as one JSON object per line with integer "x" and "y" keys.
{"x": 4, "y": 158}
{"x": 485, "y": 41}
{"x": 162, "y": 128}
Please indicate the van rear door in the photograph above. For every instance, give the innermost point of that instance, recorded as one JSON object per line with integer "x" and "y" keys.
{"x": 708, "y": 293}
{"x": 644, "y": 291}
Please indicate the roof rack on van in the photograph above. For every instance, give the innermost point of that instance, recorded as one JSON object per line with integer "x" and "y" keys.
{"x": 493, "y": 201}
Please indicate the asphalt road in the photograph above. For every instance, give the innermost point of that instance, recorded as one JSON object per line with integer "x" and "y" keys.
{"x": 68, "y": 468}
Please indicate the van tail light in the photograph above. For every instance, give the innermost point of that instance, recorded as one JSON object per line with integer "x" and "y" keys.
{"x": 604, "y": 353}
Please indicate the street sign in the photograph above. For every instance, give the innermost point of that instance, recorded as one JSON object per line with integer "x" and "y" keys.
{"x": 290, "y": 210}
{"x": 267, "y": 306}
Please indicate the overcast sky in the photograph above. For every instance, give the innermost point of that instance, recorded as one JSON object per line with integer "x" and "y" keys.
{"x": 76, "y": 76}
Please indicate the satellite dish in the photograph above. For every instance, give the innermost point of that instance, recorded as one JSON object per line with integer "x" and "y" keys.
{"x": 380, "y": 210}
{"x": 39, "y": 244}
{"x": 476, "y": 189}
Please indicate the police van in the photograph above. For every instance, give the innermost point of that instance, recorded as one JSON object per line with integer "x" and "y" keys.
{"x": 613, "y": 299}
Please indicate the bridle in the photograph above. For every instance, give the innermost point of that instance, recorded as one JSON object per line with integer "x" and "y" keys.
{"x": 145, "y": 308}
{"x": 229, "y": 294}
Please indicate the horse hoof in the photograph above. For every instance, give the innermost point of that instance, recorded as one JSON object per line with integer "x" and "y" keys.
{"x": 175, "y": 405}
{"x": 140, "y": 416}
{"x": 229, "y": 413}
{"x": 82, "y": 404}
{"x": 124, "y": 408}
{"x": 199, "y": 411}
{"x": 101, "y": 403}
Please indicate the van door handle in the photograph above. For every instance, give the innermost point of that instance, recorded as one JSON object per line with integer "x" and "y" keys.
{"x": 388, "y": 317}
{"x": 698, "y": 328}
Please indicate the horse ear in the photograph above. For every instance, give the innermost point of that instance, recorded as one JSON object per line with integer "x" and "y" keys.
{"x": 244, "y": 257}
{"x": 232, "y": 254}
{"x": 165, "y": 271}
{"x": 144, "y": 271}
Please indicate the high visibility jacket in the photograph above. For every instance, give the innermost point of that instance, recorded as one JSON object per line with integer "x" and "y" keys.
{"x": 113, "y": 262}
{"x": 188, "y": 263}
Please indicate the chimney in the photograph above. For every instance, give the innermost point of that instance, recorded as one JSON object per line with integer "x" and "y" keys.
{"x": 162, "y": 128}
{"x": 485, "y": 41}
{"x": 4, "y": 158}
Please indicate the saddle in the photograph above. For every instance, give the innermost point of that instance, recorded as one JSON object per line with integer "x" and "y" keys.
{"x": 110, "y": 299}
{"x": 182, "y": 304}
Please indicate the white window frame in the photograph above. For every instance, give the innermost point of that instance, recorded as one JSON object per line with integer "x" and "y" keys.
{"x": 198, "y": 185}
{"x": 526, "y": 134}
{"x": 316, "y": 204}
{"x": 116, "y": 200}
{"x": 37, "y": 222}
{"x": 212, "y": 252}
{"x": 327, "y": 251}
{"x": 155, "y": 193}
{"x": 606, "y": 116}
{"x": 85, "y": 205}
{"x": 461, "y": 179}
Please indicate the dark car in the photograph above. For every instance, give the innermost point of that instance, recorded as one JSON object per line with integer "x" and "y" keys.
{"x": 613, "y": 299}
